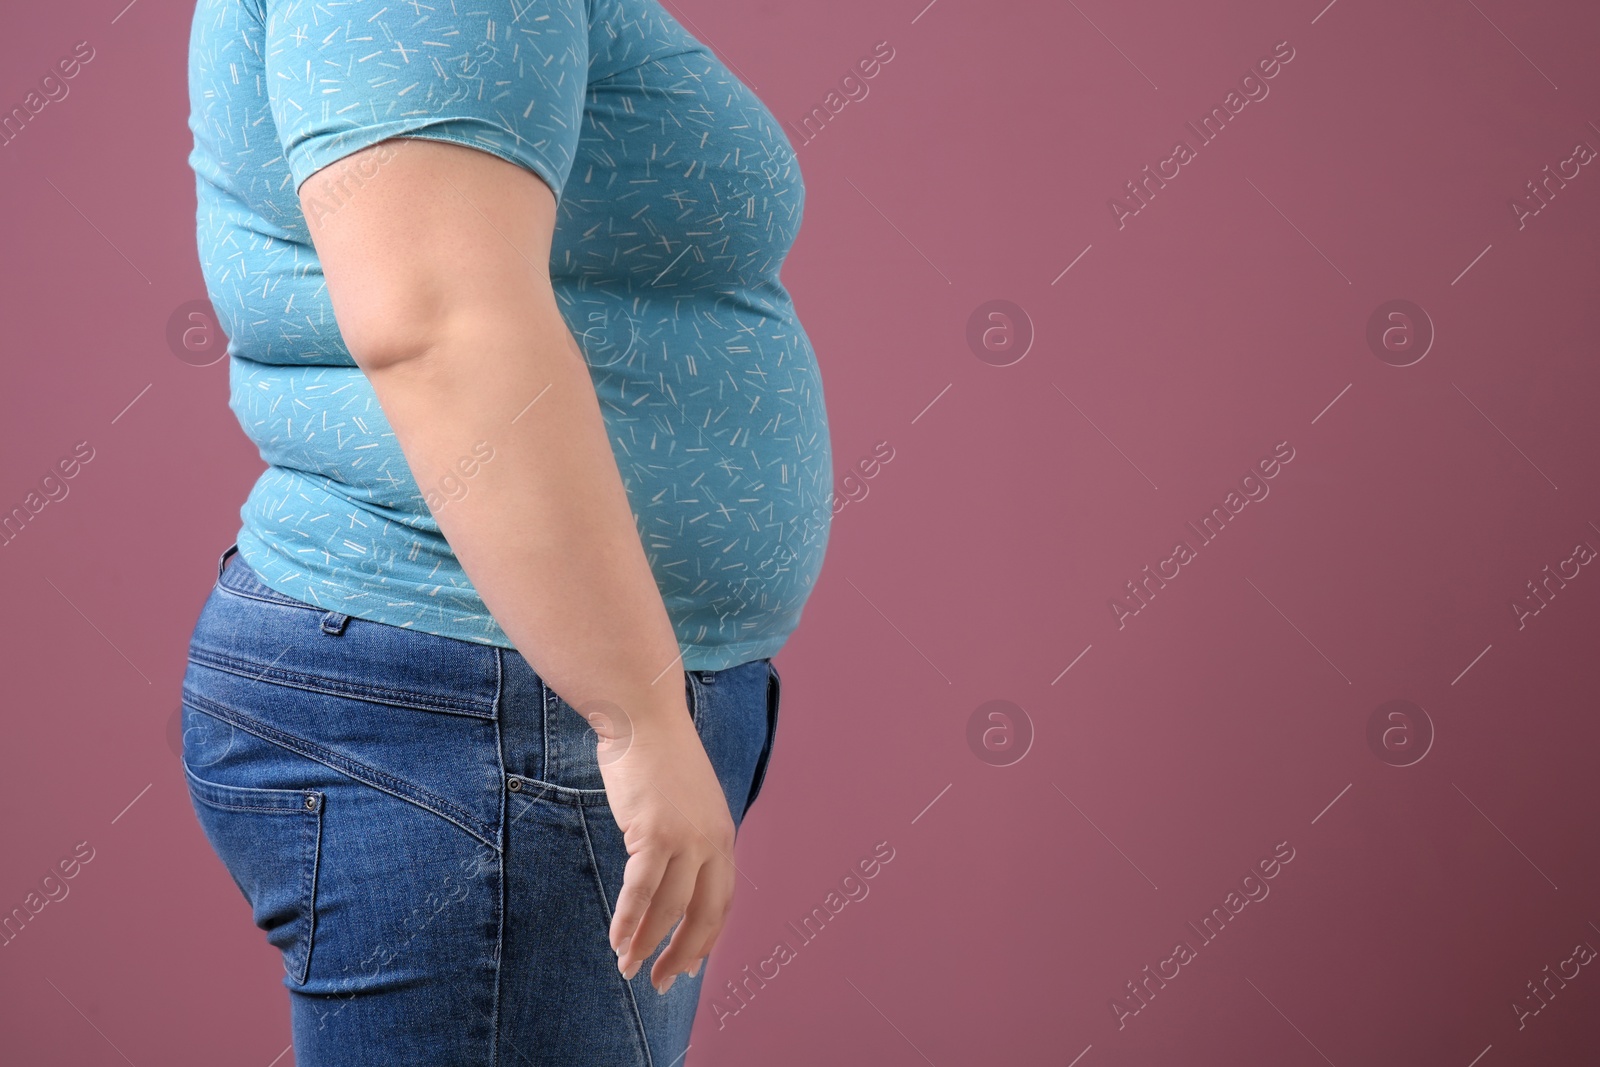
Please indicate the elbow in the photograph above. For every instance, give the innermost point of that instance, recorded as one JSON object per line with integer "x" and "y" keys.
{"x": 377, "y": 340}
{"x": 470, "y": 332}
{"x": 374, "y": 355}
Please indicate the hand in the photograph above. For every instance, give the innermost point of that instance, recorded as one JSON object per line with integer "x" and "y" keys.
{"x": 674, "y": 819}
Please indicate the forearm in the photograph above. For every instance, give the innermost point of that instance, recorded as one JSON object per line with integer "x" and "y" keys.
{"x": 544, "y": 530}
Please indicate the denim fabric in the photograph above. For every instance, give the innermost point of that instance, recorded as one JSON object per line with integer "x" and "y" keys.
{"x": 420, "y": 827}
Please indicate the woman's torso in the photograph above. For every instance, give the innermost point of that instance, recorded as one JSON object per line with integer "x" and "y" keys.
{"x": 682, "y": 200}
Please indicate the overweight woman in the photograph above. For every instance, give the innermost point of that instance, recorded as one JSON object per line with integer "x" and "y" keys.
{"x": 484, "y": 687}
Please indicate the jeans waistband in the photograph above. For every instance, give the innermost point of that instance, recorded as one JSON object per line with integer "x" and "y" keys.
{"x": 245, "y": 581}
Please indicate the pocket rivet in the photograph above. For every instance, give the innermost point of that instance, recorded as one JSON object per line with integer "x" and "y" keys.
{"x": 311, "y": 803}
{"x": 515, "y": 785}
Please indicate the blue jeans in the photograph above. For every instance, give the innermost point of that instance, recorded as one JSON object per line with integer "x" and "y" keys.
{"x": 419, "y": 826}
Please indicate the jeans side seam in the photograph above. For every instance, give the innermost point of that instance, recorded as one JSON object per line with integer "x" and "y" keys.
{"x": 605, "y": 906}
{"x": 502, "y": 902}
{"x": 547, "y": 703}
{"x": 361, "y": 772}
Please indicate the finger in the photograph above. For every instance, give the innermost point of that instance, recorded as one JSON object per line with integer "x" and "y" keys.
{"x": 671, "y": 898}
{"x": 640, "y": 877}
{"x": 702, "y": 921}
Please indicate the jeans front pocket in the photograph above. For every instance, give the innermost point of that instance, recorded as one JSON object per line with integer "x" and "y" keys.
{"x": 774, "y": 687}
{"x": 270, "y": 841}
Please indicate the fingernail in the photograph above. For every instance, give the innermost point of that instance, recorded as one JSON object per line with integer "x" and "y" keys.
{"x": 696, "y": 968}
{"x": 667, "y": 984}
{"x": 633, "y": 969}
{"x": 622, "y": 965}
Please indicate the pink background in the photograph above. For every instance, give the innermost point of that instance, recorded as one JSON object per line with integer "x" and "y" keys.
{"x": 1229, "y": 715}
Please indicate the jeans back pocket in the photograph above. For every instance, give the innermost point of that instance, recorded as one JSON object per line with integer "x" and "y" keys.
{"x": 269, "y": 840}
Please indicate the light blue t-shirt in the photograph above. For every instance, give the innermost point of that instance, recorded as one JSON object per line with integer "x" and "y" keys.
{"x": 678, "y": 198}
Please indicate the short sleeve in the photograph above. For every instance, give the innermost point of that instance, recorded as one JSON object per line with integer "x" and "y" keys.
{"x": 505, "y": 76}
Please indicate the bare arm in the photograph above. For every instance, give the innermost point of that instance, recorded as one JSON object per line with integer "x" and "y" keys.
{"x": 437, "y": 271}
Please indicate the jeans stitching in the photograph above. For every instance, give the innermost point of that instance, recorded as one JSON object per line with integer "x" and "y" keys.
{"x": 605, "y": 905}
{"x": 265, "y": 594}
{"x": 409, "y": 698}
{"x": 207, "y": 792}
{"x": 387, "y": 783}
{"x": 311, "y": 892}
{"x": 500, "y": 902}
{"x": 566, "y": 794}
{"x": 296, "y": 959}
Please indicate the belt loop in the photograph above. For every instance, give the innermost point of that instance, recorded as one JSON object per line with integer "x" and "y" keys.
{"x": 333, "y": 623}
{"x": 708, "y": 677}
{"x": 222, "y": 561}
